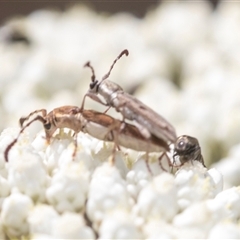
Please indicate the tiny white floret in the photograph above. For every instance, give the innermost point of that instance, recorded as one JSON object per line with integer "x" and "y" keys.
{"x": 41, "y": 219}
{"x": 71, "y": 226}
{"x": 158, "y": 199}
{"x": 68, "y": 188}
{"x": 15, "y": 210}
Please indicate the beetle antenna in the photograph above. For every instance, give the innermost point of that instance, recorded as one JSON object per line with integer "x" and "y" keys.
{"x": 93, "y": 77}
{"x": 124, "y": 52}
{"x": 23, "y": 119}
{"x": 37, "y": 118}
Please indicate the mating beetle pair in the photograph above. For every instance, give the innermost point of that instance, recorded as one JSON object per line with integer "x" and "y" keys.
{"x": 148, "y": 122}
{"x": 150, "y": 132}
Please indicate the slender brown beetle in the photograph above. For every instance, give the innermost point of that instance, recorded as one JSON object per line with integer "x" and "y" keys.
{"x": 98, "y": 125}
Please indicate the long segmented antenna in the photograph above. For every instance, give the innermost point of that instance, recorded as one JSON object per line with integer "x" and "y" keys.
{"x": 93, "y": 77}
{"x": 23, "y": 119}
{"x": 124, "y": 52}
{"x": 37, "y": 118}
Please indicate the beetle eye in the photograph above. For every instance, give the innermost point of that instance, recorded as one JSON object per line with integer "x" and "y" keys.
{"x": 93, "y": 84}
{"x": 181, "y": 145}
{"x": 47, "y": 126}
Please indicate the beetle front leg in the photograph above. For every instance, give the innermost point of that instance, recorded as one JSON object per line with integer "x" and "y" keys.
{"x": 93, "y": 97}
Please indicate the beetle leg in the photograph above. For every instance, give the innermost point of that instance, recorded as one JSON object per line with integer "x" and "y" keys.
{"x": 94, "y": 97}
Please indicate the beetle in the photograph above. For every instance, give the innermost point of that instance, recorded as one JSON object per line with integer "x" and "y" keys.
{"x": 146, "y": 120}
{"x": 96, "y": 124}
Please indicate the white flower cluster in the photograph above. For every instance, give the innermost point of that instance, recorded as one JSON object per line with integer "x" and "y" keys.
{"x": 75, "y": 199}
{"x": 183, "y": 63}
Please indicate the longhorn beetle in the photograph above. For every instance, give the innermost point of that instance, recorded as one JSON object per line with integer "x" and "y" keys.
{"x": 146, "y": 120}
{"x": 98, "y": 125}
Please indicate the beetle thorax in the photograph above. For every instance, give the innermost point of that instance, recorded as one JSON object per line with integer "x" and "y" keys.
{"x": 108, "y": 90}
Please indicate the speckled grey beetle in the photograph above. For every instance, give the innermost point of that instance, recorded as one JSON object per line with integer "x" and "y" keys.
{"x": 146, "y": 120}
